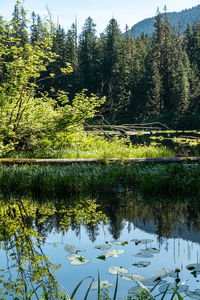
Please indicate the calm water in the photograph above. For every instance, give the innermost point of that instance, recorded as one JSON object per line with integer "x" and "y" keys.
{"x": 31, "y": 229}
{"x": 183, "y": 143}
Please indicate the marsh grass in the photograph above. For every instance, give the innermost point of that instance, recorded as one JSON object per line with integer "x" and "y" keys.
{"x": 91, "y": 146}
{"x": 73, "y": 179}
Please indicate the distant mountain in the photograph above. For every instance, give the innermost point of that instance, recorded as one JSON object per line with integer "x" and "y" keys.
{"x": 184, "y": 17}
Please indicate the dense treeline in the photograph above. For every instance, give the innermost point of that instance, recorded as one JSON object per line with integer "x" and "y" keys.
{"x": 149, "y": 78}
{"x": 30, "y": 118}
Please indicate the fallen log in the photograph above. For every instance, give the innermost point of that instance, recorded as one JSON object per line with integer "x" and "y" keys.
{"x": 157, "y": 160}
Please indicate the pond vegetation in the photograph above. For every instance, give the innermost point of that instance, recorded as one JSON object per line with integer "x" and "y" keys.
{"x": 40, "y": 118}
{"x": 29, "y": 270}
{"x": 74, "y": 179}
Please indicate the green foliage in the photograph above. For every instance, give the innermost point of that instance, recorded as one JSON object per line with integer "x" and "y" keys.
{"x": 42, "y": 69}
{"x": 29, "y": 121}
{"x": 75, "y": 179}
{"x": 31, "y": 273}
{"x": 87, "y": 145}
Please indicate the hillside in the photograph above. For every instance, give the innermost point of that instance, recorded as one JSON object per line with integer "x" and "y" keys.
{"x": 184, "y": 17}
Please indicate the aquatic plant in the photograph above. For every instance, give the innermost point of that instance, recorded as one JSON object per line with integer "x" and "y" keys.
{"x": 73, "y": 179}
{"x": 89, "y": 145}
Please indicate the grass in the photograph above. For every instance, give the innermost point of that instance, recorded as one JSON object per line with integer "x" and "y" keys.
{"x": 143, "y": 293}
{"x": 73, "y": 179}
{"x": 94, "y": 146}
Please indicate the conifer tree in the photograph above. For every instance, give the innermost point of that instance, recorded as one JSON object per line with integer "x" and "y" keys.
{"x": 72, "y": 80}
{"x": 37, "y": 29}
{"x": 112, "y": 67}
{"x": 140, "y": 78}
{"x": 87, "y": 54}
{"x": 181, "y": 86}
{"x": 19, "y": 23}
{"x": 192, "y": 46}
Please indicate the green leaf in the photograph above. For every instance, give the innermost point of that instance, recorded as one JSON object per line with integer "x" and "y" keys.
{"x": 103, "y": 257}
{"x": 116, "y": 287}
{"x": 78, "y": 285}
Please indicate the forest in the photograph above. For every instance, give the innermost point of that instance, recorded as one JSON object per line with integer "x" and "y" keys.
{"x": 52, "y": 81}
{"x": 54, "y": 84}
{"x": 148, "y": 78}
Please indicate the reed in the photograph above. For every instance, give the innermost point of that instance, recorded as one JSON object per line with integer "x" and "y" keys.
{"x": 73, "y": 179}
{"x": 90, "y": 146}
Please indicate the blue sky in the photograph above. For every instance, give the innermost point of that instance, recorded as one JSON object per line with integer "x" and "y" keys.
{"x": 125, "y": 11}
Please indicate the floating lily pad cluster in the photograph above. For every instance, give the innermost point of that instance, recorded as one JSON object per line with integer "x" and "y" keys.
{"x": 144, "y": 253}
{"x": 139, "y": 280}
{"x": 118, "y": 270}
{"x": 147, "y": 281}
{"x": 195, "y": 271}
{"x": 76, "y": 259}
{"x": 194, "y": 268}
{"x": 111, "y": 253}
{"x": 164, "y": 286}
{"x": 144, "y": 241}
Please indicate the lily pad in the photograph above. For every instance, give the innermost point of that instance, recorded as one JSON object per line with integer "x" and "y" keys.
{"x": 120, "y": 243}
{"x": 103, "y": 247}
{"x": 103, "y": 257}
{"x": 79, "y": 262}
{"x": 152, "y": 281}
{"x": 150, "y": 250}
{"x": 134, "y": 291}
{"x": 194, "y": 295}
{"x": 170, "y": 287}
{"x": 193, "y": 267}
{"x": 113, "y": 253}
{"x": 117, "y": 270}
{"x": 165, "y": 272}
{"x": 144, "y": 241}
{"x": 73, "y": 256}
{"x": 147, "y": 281}
{"x": 143, "y": 255}
{"x": 142, "y": 264}
{"x": 103, "y": 284}
{"x": 133, "y": 277}
{"x": 73, "y": 249}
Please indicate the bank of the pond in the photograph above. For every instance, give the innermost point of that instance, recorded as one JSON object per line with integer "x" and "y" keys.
{"x": 60, "y": 162}
{"x": 80, "y": 178}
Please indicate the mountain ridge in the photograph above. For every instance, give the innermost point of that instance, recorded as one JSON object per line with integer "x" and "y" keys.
{"x": 184, "y": 17}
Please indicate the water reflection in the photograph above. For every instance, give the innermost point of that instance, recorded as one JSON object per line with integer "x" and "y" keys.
{"x": 164, "y": 216}
{"x": 183, "y": 143}
{"x": 24, "y": 226}
{"x": 26, "y": 223}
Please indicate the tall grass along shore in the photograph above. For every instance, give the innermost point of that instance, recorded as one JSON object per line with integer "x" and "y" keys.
{"x": 78, "y": 178}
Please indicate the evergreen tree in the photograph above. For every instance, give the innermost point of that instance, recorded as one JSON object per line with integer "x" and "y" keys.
{"x": 140, "y": 79}
{"x": 72, "y": 80}
{"x": 37, "y": 29}
{"x": 113, "y": 69}
{"x": 170, "y": 93}
{"x": 155, "y": 97}
{"x": 88, "y": 56}
{"x": 181, "y": 86}
{"x": 192, "y": 46}
{"x": 19, "y": 23}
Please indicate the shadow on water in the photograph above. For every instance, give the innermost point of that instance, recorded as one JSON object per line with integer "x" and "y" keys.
{"x": 183, "y": 143}
{"x": 26, "y": 223}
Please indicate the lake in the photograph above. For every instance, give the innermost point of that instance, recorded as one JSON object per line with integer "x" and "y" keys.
{"x": 183, "y": 143}
{"x": 146, "y": 233}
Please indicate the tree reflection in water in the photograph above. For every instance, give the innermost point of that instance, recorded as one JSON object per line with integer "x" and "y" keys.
{"x": 23, "y": 225}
